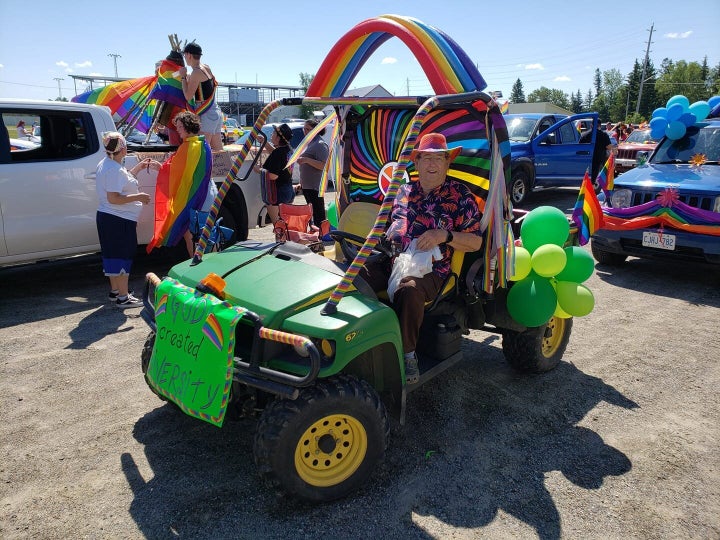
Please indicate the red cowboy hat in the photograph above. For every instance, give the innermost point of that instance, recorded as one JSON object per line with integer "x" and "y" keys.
{"x": 433, "y": 143}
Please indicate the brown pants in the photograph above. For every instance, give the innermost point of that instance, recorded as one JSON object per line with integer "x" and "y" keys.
{"x": 409, "y": 301}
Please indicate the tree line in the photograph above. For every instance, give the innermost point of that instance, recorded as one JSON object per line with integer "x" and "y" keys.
{"x": 615, "y": 97}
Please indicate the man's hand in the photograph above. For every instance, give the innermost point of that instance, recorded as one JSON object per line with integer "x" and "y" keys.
{"x": 429, "y": 239}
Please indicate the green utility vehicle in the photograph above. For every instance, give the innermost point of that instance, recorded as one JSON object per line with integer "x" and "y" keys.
{"x": 258, "y": 330}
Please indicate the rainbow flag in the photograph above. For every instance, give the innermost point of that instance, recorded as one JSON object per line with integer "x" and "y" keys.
{"x": 504, "y": 107}
{"x": 587, "y": 215}
{"x": 182, "y": 186}
{"x": 127, "y": 99}
{"x": 606, "y": 176}
{"x": 169, "y": 85}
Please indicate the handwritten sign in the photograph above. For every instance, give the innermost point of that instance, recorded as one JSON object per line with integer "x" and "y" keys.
{"x": 192, "y": 360}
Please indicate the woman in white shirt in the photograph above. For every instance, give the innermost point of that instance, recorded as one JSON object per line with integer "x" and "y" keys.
{"x": 119, "y": 205}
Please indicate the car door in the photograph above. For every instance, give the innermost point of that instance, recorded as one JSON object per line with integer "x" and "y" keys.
{"x": 560, "y": 156}
{"x": 47, "y": 194}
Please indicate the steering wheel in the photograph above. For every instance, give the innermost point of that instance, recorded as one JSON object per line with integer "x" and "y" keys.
{"x": 351, "y": 243}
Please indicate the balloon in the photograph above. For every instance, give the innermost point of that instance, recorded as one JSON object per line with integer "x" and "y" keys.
{"x": 658, "y": 132}
{"x": 658, "y": 122}
{"x": 579, "y": 265}
{"x": 675, "y": 130}
{"x": 675, "y": 111}
{"x": 680, "y": 100}
{"x": 688, "y": 119}
{"x": 714, "y": 102}
{"x": 332, "y": 214}
{"x": 522, "y": 264}
{"x": 574, "y": 298}
{"x": 700, "y": 109}
{"x": 544, "y": 225}
{"x": 560, "y": 313}
{"x": 532, "y": 301}
{"x": 660, "y": 112}
{"x": 548, "y": 260}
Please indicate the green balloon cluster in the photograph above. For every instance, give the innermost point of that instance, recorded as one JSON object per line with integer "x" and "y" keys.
{"x": 548, "y": 277}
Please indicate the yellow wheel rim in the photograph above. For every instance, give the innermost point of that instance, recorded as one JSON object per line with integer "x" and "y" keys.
{"x": 553, "y": 336}
{"x": 331, "y": 450}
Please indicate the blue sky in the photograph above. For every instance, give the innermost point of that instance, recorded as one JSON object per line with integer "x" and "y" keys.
{"x": 552, "y": 43}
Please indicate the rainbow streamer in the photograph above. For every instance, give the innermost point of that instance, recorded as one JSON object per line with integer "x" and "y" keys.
{"x": 504, "y": 107}
{"x": 229, "y": 179}
{"x": 334, "y": 162}
{"x": 310, "y": 137}
{"x": 213, "y": 331}
{"x": 169, "y": 85}
{"x": 587, "y": 215}
{"x": 445, "y": 64}
{"x": 664, "y": 211}
{"x": 182, "y": 185}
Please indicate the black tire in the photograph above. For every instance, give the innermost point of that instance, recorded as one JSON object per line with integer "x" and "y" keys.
{"x": 537, "y": 350}
{"x": 607, "y": 257}
{"x": 326, "y": 443}
{"x": 145, "y": 356}
{"x": 519, "y": 187}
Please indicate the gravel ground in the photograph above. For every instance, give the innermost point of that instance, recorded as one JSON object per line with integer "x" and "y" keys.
{"x": 620, "y": 441}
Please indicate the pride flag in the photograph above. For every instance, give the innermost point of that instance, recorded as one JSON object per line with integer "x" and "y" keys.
{"x": 587, "y": 214}
{"x": 169, "y": 85}
{"x": 504, "y": 107}
{"x": 127, "y": 99}
{"x": 182, "y": 186}
{"x": 606, "y": 176}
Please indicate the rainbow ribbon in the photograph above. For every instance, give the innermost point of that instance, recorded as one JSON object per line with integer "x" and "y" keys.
{"x": 308, "y": 139}
{"x": 381, "y": 220}
{"x": 229, "y": 179}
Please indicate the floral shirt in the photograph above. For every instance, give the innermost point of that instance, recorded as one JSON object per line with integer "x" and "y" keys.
{"x": 449, "y": 206}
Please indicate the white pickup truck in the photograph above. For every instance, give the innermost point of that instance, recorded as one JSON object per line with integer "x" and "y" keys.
{"x": 47, "y": 191}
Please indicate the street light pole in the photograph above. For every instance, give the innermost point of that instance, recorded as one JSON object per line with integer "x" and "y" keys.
{"x": 58, "y": 79}
{"x": 115, "y": 57}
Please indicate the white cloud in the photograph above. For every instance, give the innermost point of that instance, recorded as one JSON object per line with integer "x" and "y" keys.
{"x": 562, "y": 78}
{"x": 94, "y": 74}
{"x": 537, "y": 66}
{"x": 86, "y": 63}
{"x": 61, "y": 64}
{"x": 678, "y": 35}
{"x": 389, "y": 60}
{"x": 1, "y": 66}
{"x": 68, "y": 70}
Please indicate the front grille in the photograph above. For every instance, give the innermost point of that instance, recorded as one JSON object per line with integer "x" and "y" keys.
{"x": 696, "y": 201}
{"x": 627, "y": 154}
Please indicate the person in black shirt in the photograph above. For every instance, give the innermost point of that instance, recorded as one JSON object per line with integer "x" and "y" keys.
{"x": 275, "y": 179}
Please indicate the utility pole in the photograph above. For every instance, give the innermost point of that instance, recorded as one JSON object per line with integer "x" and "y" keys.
{"x": 58, "y": 79}
{"x": 645, "y": 63}
{"x": 115, "y": 57}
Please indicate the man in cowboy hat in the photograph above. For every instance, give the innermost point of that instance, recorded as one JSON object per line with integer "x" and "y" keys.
{"x": 437, "y": 211}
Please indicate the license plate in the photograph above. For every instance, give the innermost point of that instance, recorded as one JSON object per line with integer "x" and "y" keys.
{"x": 659, "y": 241}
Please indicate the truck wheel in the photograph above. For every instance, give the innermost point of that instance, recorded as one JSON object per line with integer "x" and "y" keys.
{"x": 537, "y": 350}
{"x": 324, "y": 444}
{"x": 519, "y": 187}
{"x": 145, "y": 360}
{"x": 607, "y": 257}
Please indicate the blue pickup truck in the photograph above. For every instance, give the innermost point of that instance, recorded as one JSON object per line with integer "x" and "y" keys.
{"x": 546, "y": 151}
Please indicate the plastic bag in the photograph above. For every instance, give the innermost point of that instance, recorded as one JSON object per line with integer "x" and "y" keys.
{"x": 412, "y": 262}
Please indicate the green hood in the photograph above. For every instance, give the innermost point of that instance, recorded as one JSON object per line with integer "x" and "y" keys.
{"x": 268, "y": 279}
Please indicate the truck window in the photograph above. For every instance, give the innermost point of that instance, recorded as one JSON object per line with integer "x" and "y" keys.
{"x": 568, "y": 134}
{"x": 56, "y": 135}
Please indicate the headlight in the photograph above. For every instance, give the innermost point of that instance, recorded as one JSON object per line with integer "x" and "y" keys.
{"x": 716, "y": 206}
{"x": 621, "y": 198}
